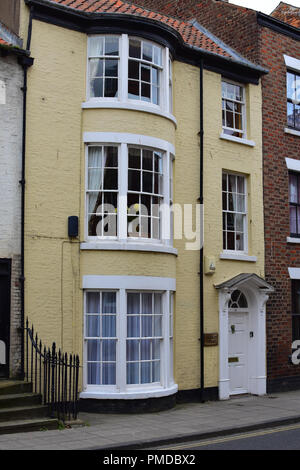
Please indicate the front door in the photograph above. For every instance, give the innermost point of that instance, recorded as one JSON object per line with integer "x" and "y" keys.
{"x": 238, "y": 351}
{"x": 4, "y": 317}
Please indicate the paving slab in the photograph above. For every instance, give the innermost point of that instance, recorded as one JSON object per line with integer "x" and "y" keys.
{"x": 184, "y": 422}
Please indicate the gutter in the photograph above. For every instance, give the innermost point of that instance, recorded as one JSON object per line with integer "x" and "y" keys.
{"x": 25, "y": 62}
{"x": 278, "y": 26}
{"x": 201, "y": 200}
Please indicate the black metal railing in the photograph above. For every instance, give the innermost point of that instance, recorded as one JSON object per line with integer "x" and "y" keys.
{"x": 53, "y": 374}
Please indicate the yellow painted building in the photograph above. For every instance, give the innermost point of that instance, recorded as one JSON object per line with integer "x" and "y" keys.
{"x": 114, "y": 117}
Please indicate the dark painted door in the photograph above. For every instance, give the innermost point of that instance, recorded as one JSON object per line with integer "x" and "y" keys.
{"x": 4, "y": 316}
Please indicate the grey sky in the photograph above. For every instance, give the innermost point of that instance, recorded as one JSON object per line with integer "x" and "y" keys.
{"x": 266, "y": 6}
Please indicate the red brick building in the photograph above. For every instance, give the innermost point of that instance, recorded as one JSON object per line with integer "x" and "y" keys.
{"x": 274, "y": 43}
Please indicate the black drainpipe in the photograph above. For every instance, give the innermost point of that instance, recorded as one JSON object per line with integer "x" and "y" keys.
{"x": 26, "y": 62}
{"x": 201, "y": 200}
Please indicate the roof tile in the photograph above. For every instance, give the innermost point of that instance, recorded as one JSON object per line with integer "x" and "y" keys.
{"x": 189, "y": 33}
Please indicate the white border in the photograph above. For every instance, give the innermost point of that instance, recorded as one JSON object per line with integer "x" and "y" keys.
{"x": 292, "y": 63}
{"x": 239, "y": 140}
{"x": 287, "y": 130}
{"x": 129, "y": 282}
{"x": 292, "y": 164}
{"x": 238, "y": 257}
{"x": 128, "y": 106}
{"x": 130, "y": 139}
{"x": 294, "y": 273}
{"x": 128, "y": 246}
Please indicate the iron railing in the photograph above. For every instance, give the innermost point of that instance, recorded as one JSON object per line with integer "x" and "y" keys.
{"x": 53, "y": 374}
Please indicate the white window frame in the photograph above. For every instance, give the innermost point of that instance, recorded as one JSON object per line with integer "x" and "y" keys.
{"x": 122, "y": 101}
{"x": 121, "y": 285}
{"x": 123, "y": 141}
{"x": 242, "y": 131}
{"x": 245, "y": 227}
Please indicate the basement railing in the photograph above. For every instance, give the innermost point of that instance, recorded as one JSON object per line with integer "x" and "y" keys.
{"x": 54, "y": 375}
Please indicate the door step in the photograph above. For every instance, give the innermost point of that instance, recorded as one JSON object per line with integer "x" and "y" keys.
{"x": 28, "y": 425}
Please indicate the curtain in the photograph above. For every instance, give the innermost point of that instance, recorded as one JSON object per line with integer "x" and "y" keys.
{"x": 101, "y": 352}
{"x": 133, "y": 331}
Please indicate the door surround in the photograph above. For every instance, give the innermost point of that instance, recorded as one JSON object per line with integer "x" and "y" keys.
{"x": 257, "y": 292}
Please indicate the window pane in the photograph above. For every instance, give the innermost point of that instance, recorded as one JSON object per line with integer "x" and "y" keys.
{"x": 94, "y": 374}
{"x": 133, "y": 69}
{"x": 133, "y": 373}
{"x": 147, "y": 326}
{"x": 134, "y": 48}
{"x": 290, "y": 85}
{"x": 147, "y": 52}
{"x": 145, "y": 92}
{"x": 134, "y": 160}
{"x": 96, "y": 88}
{"x": 134, "y": 180}
{"x": 133, "y": 348}
{"x": 111, "y": 157}
{"x": 111, "y": 68}
{"x": 293, "y": 188}
{"x": 111, "y": 88}
{"x": 93, "y": 302}
{"x": 93, "y": 326}
{"x": 96, "y": 46}
{"x": 290, "y": 115}
{"x": 133, "y": 327}
{"x": 146, "y": 73}
{"x": 109, "y": 374}
{"x": 147, "y": 160}
{"x": 145, "y": 372}
{"x": 108, "y": 350}
{"x": 147, "y": 182}
{"x": 133, "y": 89}
{"x": 146, "y": 349}
{"x": 146, "y": 304}
{"x": 108, "y": 326}
{"x": 111, "y": 46}
{"x": 110, "y": 179}
{"x": 96, "y": 68}
{"x": 94, "y": 350}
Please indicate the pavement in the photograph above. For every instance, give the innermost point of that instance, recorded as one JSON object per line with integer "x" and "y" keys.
{"x": 185, "y": 422}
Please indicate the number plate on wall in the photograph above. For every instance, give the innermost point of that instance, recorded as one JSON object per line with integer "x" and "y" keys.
{"x": 233, "y": 359}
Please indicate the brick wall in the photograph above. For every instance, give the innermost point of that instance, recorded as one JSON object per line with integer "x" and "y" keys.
{"x": 235, "y": 25}
{"x": 238, "y": 27}
{"x": 277, "y": 146}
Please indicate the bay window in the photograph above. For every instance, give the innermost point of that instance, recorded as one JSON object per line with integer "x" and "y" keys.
{"x": 129, "y": 71}
{"x": 128, "y": 337}
{"x": 129, "y": 191}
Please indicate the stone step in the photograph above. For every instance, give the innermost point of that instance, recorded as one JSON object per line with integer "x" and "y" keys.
{"x": 23, "y": 412}
{"x": 20, "y": 399}
{"x": 14, "y": 386}
{"x": 28, "y": 425}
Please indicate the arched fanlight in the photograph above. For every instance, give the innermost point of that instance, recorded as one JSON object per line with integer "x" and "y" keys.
{"x": 238, "y": 300}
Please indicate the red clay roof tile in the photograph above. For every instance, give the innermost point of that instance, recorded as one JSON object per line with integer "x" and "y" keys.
{"x": 190, "y": 34}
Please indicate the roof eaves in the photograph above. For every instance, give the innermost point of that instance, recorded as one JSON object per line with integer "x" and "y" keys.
{"x": 9, "y": 37}
{"x": 278, "y": 25}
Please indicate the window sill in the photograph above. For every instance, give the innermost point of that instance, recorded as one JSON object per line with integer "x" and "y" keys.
{"x": 239, "y": 140}
{"x": 238, "y": 257}
{"x": 287, "y": 130}
{"x": 130, "y": 395}
{"x": 131, "y": 106}
{"x": 292, "y": 240}
{"x": 128, "y": 246}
